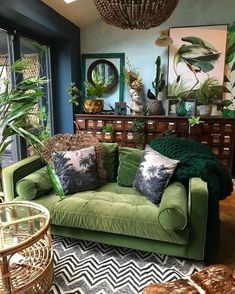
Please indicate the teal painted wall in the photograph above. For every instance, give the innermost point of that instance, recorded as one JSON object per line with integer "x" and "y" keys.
{"x": 139, "y": 46}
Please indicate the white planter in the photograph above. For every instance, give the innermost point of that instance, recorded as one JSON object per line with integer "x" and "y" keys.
{"x": 205, "y": 110}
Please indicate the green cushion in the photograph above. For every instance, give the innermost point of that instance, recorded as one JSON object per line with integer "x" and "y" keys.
{"x": 173, "y": 212}
{"x": 129, "y": 161}
{"x": 34, "y": 185}
{"x": 110, "y": 160}
{"x": 113, "y": 209}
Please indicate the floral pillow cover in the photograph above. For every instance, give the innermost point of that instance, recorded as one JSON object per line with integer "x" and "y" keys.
{"x": 153, "y": 174}
{"x": 77, "y": 169}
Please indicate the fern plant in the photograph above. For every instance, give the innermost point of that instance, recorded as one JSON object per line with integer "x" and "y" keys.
{"x": 208, "y": 91}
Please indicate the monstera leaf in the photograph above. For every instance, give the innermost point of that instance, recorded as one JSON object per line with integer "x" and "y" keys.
{"x": 198, "y": 56}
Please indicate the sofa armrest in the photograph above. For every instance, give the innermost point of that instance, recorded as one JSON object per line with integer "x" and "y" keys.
{"x": 197, "y": 208}
{"x": 173, "y": 210}
{"x": 13, "y": 173}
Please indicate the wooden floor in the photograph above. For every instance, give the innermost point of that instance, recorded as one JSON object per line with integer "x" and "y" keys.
{"x": 226, "y": 251}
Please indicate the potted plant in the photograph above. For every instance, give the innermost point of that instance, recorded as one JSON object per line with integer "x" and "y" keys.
{"x": 17, "y": 104}
{"x": 74, "y": 94}
{"x": 154, "y": 105}
{"x": 108, "y": 132}
{"x": 207, "y": 94}
{"x": 93, "y": 103}
{"x": 138, "y": 129}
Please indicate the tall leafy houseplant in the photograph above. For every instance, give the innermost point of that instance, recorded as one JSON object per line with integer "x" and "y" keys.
{"x": 16, "y": 105}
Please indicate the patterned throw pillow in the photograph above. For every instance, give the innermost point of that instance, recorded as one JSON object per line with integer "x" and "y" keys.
{"x": 153, "y": 174}
{"x": 77, "y": 169}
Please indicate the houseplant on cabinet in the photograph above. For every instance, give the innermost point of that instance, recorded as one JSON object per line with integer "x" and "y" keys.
{"x": 94, "y": 102}
{"x": 208, "y": 92}
{"x": 154, "y": 105}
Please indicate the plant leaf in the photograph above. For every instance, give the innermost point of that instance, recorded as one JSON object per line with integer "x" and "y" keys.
{"x": 226, "y": 79}
{"x": 233, "y": 67}
{"x": 226, "y": 90}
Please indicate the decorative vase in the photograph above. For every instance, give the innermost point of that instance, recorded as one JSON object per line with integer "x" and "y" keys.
{"x": 154, "y": 106}
{"x": 93, "y": 105}
{"x": 181, "y": 110}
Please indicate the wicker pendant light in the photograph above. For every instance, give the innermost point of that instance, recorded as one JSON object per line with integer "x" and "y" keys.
{"x": 135, "y": 14}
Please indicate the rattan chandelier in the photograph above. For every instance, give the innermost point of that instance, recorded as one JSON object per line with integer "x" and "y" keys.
{"x": 135, "y": 14}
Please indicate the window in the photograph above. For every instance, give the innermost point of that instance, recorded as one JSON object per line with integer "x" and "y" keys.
{"x": 38, "y": 56}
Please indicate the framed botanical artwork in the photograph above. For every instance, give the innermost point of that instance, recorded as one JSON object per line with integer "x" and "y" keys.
{"x": 171, "y": 104}
{"x": 196, "y": 55}
{"x": 190, "y": 106}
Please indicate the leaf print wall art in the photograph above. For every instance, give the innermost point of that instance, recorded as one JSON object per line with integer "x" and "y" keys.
{"x": 197, "y": 53}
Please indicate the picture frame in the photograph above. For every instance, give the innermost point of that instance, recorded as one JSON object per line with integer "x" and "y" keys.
{"x": 171, "y": 104}
{"x": 197, "y": 53}
{"x": 191, "y": 107}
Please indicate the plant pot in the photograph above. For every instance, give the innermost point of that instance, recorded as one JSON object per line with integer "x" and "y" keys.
{"x": 154, "y": 107}
{"x": 93, "y": 105}
{"x": 205, "y": 110}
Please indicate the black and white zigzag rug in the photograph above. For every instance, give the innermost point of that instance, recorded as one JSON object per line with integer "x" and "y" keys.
{"x": 91, "y": 268}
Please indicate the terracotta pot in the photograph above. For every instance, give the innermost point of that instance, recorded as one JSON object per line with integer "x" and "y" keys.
{"x": 93, "y": 105}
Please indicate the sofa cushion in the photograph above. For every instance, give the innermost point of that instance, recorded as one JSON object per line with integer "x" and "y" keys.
{"x": 77, "y": 169}
{"x": 129, "y": 161}
{"x": 34, "y": 185}
{"x": 173, "y": 211}
{"x": 112, "y": 209}
{"x": 110, "y": 160}
{"x": 153, "y": 174}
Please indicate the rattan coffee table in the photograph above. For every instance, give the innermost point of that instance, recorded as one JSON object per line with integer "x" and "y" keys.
{"x": 26, "y": 255}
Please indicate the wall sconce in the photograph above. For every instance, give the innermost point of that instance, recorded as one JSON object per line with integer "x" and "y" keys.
{"x": 164, "y": 40}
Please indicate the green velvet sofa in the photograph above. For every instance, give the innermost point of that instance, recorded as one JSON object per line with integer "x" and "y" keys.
{"x": 118, "y": 215}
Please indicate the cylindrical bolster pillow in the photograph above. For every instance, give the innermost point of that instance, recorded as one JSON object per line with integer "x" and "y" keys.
{"x": 34, "y": 185}
{"x": 173, "y": 211}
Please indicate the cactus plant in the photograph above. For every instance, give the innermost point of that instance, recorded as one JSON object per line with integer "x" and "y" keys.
{"x": 159, "y": 82}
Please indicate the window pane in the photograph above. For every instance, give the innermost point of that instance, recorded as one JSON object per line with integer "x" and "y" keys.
{"x": 9, "y": 155}
{"x": 38, "y": 58}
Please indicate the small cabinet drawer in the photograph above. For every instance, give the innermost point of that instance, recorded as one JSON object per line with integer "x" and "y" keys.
{"x": 150, "y": 125}
{"x": 216, "y": 128}
{"x": 90, "y": 124}
{"x": 161, "y": 127}
{"x": 215, "y": 139}
{"x": 98, "y": 135}
{"x": 108, "y": 137}
{"x": 128, "y": 125}
{"x": 171, "y": 125}
{"x": 118, "y": 125}
{"x": 228, "y": 128}
{"x": 99, "y": 124}
{"x": 226, "y": 151}
{"x": 89, "y": 132}
{"x": 119, "y": 136}
{"x": 81, "y": 123}
{"x": 227, "y": 140}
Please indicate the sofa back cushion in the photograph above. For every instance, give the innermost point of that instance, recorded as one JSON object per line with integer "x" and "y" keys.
{"x": 111, "y": 160}
{"x": 129, "y": 161}
{"x": 34, "y": 185}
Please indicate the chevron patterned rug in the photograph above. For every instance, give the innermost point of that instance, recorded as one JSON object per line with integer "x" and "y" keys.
{"x": 91, "y": 268}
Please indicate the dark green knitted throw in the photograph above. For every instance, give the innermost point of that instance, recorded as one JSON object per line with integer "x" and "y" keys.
{"x": 196, "y": 160}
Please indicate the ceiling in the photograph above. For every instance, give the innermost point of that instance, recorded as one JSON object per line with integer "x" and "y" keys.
{"x": 80, "y": 12}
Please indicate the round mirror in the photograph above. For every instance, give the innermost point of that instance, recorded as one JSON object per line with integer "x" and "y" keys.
{"x": 103, "y": 71}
